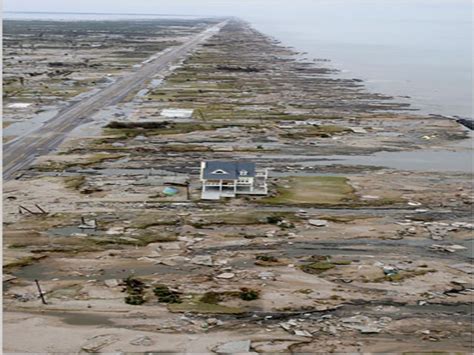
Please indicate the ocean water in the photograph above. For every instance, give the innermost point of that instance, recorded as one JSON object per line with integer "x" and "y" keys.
{"x": 416, "y": 48}
{"x": 421, "y": 49}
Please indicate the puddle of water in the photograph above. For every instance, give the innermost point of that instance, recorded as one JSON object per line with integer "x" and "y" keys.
{"x": 42, "y": 271}
{"x": 156, "y": 82}
{"x": 25, "y": 127}
{"x": 418, "y": 160}
{"x": 440, "y": 308}
{"x": 466, "y": 143}
{"x": 81, "y": 318}
{"x": 457, "y": 158}
{"x": 354, "y": 247}
{"x": 371, "y": 246}
{"x": 469, "y": 252}
{"x": 69, "y": 231}
{"x": 100, "y": 119}
{"x": 142, "y": 93}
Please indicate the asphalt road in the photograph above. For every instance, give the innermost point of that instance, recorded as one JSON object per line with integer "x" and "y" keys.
{"x": 20, "y": 153}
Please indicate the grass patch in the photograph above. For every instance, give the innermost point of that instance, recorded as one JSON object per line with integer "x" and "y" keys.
{"x": 182, "y": 148}
{"x": 130, "y": 131}
{"x": 211, "y": 297}
{"x": 100, "y": 158}
{"x": 74, "y": 182}
{"x": 319, "y": 190}
{"x": 321, "y": 263}
{"x": 344, "y": 219}
{"x": 242, "y": 218}
{"x": 141, "y": 241}
{"x": 25, "y": 261}
{"x": 196, "y": 305}
{"x": 317, "y": 267}
{"x": 44, "y": 222}
{"x": 86, "y": 162}
{"x": 152, "y": 220}
{"x": 269, "y": 260}
{"x": 341, "y": 262}
{"x": 403, "y": 275}
{"x": 389, "y": 199}
{"x": 209, "y": 302}
{"x": 324, "y": 131}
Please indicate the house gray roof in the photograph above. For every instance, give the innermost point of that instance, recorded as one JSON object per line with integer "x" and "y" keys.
{"x": 228, "y": 170}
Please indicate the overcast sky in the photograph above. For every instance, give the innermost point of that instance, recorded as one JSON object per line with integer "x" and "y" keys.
{"x": 244, "y": 8}
{"x": 191, "y": 7}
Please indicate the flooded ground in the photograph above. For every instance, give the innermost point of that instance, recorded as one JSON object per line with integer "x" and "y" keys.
{"x": 423, "y": 160}
{"x": 363, "y": 243}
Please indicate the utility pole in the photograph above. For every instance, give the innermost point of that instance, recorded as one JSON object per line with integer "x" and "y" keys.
{"x": 40, "y": 292}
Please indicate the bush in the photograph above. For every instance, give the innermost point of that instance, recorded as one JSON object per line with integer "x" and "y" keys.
{"x": 274, "y": 219}
{"x": 267, "y": 258}
{"x": 135, "y": 300}
{"x": 133, "y": 285}
{"x": 248, "y": 294}
{"x": 165, "y": 295}
{"x": 135, "y": 288}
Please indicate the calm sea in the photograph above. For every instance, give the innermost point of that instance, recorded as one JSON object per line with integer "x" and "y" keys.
{"x": 418, "y": 48}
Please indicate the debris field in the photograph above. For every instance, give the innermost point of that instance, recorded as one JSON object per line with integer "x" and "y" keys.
{"x": 338, "y": 257}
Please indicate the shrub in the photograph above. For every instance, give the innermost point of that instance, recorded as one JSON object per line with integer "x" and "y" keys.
{"x": 165, "y": 295}
{"x": 248, "y": 294}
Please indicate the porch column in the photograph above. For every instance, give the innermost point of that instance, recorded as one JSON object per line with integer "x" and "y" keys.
{"x": 220, "y": 185}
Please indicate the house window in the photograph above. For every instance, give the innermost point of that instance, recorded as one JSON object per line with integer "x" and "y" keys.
{"x": 243, "y": 172}
{"x": 219, "y": 171}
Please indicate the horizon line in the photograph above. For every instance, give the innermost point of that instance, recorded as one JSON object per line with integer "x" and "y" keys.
{"x": 104, "y": 13}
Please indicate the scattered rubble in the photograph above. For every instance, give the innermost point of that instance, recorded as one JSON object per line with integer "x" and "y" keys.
{"x": 318, "y": 222}
{"x": 364, "y": 324}
{"x": 205, "y": 260}
{"x": 142, "y": 340}
{"x": 233, "y": 347}
{"x": 226, "y": 275}
{"x": 464, "y": 267}
{"x": 94, "y": 344}
{"x": 338, "y": 257}
{"x": 111, "y": 283}
{"x": 449, "y": 248}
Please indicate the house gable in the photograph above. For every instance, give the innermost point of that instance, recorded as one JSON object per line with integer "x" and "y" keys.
{"x": 227, "y": 170}
{"x": 219, "y": 171}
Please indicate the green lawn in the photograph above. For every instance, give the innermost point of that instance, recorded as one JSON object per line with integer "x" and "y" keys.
{"x": 324, "y": 190}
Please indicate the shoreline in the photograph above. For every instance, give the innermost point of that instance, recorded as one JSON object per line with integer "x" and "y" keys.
{"x": 342, "y": 72}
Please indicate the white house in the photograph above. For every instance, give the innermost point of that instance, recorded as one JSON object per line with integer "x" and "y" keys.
{"x": 231, "y": 178}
